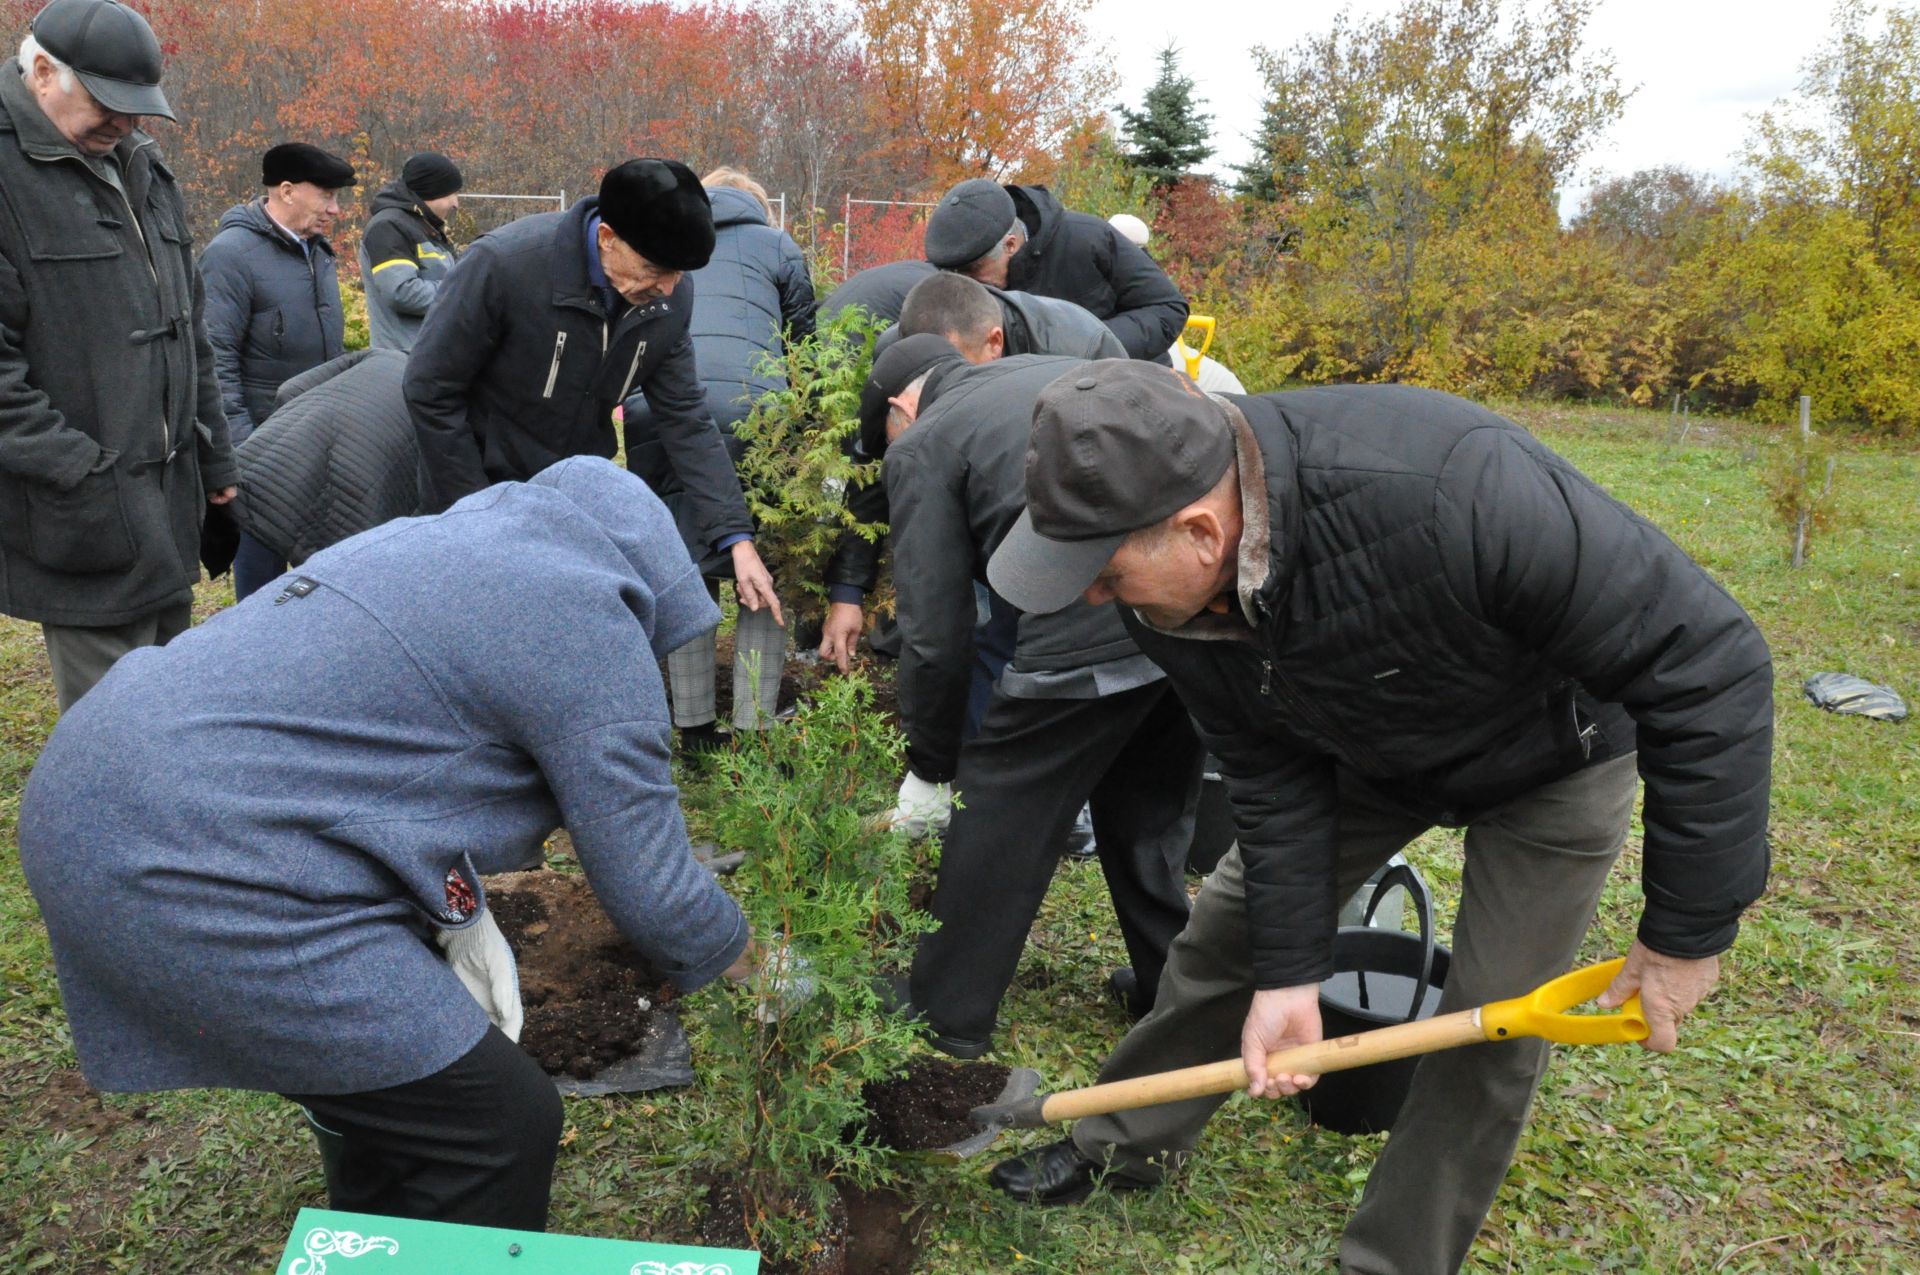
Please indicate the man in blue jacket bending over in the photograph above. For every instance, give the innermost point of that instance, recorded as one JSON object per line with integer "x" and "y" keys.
{"x": 424, "y": 704}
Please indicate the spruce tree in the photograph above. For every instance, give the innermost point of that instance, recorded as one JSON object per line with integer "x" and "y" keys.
{"x": 1168, "y": 136}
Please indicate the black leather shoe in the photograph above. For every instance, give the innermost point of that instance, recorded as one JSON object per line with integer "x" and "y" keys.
{"x": 704, "y": 740}
{"x": 1056, "y": 1174}
{"x": 1124, "y": 986}
{"x": 1080, "y": 844}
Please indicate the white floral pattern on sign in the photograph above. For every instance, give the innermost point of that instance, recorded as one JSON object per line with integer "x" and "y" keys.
{"x": 680, "y": 1268}
{"x": 321, "y": 1244}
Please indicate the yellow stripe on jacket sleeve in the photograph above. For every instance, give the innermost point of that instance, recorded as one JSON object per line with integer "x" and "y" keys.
{"x": 397, "y": 261}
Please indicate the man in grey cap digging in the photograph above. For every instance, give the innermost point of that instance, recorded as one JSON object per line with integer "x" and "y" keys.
{"x": 1389, "y": 609}
{"x": 1020, "y": 237}
{"x": 1078, "y": 715}
{"x": 112, "y": 441}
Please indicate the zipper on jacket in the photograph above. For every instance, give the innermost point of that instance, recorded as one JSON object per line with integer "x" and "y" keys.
{"x": 553, "y": 373}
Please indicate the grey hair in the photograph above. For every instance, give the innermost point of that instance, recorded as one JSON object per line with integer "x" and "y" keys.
{"x": 30, "y": 49}
{"x": 999, "y": 248}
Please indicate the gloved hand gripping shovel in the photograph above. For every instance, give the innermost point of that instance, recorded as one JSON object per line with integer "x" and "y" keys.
{"x": 1542, "y": 1013}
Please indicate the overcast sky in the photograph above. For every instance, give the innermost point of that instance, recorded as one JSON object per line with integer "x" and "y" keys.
{"x": 1699, "y": 68}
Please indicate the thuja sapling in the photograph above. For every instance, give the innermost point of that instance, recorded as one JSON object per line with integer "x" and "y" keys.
{"x": 799, "y": 462}
{"x": 828, "y": 879}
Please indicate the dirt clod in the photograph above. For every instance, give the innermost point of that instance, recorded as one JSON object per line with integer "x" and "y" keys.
{"x": 581, "y": 984}
{"x": 928, "y": 1107}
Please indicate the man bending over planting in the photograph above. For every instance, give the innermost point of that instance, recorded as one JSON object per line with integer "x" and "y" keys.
{"x": 424, "y": 703}
{"x": 1078, "y": 714}
{"x": 1389, "y": 609}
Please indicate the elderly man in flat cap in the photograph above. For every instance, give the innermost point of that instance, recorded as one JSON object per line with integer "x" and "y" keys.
{"x": 1020, "y": 237}
{"x": 273, "y": 301}
{"x": 112, "y": 441}
{"x": 406, "y": 252}
{"x": 548, "y": 324}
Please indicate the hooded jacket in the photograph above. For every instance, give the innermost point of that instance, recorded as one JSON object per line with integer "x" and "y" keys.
{"x": 404, "y": 255}
{"x": 111, "y": 431}
{"x": 956, "y": 483}
{"x": 518, "y": 366}
{"x": 1433, "y": 604}
{"x": 1080, "y": 258}
{"x": 336, "y": 458}
{"x": 273, "y": 310}
{"x": 436, "y": 695}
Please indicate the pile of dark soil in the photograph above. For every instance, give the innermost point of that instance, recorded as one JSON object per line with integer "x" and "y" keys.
{"x": 927, "y": 1107}
{"x": 868, "y": 1233}
{"x": 582, "y": 986}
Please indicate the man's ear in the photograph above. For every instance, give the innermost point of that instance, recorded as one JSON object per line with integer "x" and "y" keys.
{"x": 1204, "y": 531}
{"x": 996, "y": 342}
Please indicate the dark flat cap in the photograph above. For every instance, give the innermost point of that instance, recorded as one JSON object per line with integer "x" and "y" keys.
{"x": 660, "y": 209}
{"x": 300, "y": 162}
{"x": 110, "y": 48}
{"x": 899, "y": 366}
{"x": 431, "y": 175}
{"x": 1117, "y": 445}
{"x": 970, "y": 219}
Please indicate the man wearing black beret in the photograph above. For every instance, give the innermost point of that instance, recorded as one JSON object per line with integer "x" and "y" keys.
{"x": 405, "y": 251}
{"x": 546, "y": 325}
{"x": 273, "y": 300}
{"x": 1020, "y": 237}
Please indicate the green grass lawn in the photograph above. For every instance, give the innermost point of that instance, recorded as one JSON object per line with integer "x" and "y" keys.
{"x": 1784, "y": 1135}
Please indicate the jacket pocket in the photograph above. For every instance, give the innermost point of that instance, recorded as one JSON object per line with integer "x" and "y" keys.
{"x": 83, "y": 530}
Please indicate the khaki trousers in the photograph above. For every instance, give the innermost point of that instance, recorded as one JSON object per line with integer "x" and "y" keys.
{"x": 1534, "y": 871}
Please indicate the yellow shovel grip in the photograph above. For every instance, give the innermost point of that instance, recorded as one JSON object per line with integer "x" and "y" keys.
{"x": 1542, "y": 1012}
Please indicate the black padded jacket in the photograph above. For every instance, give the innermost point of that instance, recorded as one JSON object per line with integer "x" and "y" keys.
{"x": 1434, "y": 604}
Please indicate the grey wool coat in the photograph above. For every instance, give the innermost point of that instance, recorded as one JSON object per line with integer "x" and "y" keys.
{"x": 273, "y": 311}
{"x": 436, "y": 694}
{"x": 111, "y": 433}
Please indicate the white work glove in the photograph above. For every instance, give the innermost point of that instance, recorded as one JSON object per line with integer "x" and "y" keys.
{"x": 782, "y": 984}
{"x": 480, "y": 956}
{"x": 922, "y": 807}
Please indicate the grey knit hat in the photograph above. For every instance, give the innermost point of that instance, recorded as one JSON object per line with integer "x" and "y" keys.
{"x": 969, "y": 220}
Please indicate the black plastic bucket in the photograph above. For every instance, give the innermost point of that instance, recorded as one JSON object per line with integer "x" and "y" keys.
{"x": 1381, "y": 977}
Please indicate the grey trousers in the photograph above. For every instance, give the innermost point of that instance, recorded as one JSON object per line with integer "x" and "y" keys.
{"x": 1534, "y": 871}
{"x": 81, "y": 655}
{"x": 759, "y": 659}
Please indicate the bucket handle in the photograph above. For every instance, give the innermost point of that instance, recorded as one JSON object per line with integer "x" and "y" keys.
{"x": 1405, "y": 875}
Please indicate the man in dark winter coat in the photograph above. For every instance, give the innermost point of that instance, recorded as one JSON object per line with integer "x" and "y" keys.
{"x": 1078, "y": 714}
{"x": 273, "y": 301}
{"x": 112, "y": 441}
{"x": 405, "y": 251}
{"x": 752, "y": 297}
{"x": 546, "y": 326}
{"x": 1389, "y": 609}
{"x": 273, "y": 295}
{"x": 879, "y": 290}
{"x": 1020, "y": 237}
{"x": 336, "y": 458}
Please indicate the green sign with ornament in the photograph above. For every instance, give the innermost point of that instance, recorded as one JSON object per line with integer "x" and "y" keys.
{"x": 327, "y": 1243}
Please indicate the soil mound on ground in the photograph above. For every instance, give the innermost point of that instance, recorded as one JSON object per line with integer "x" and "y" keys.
{"x": 589, "y": 997}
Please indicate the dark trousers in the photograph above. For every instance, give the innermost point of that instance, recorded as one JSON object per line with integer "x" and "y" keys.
{"x": 993, "y": 643}
{"x": 253, "y": 566}
{"x": 1134, "y": 756}
{"x": 473, "y": 1143}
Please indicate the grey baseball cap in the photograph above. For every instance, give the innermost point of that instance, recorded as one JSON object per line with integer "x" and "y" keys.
{"x": 1117, "y": 445}
{"x": 110, "y": 48}
{"x": 967, "y": 222}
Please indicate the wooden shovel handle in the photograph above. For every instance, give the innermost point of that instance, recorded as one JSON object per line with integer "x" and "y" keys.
{"x": 1381, "y": 1045}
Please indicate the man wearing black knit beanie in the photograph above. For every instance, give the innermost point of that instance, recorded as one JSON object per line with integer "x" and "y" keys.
{"x": 406, "y": 251}
{"x": 546, "y": 325}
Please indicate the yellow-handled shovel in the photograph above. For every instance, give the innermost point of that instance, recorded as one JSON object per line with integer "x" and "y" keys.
{"x": 1541, "y": 1013}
